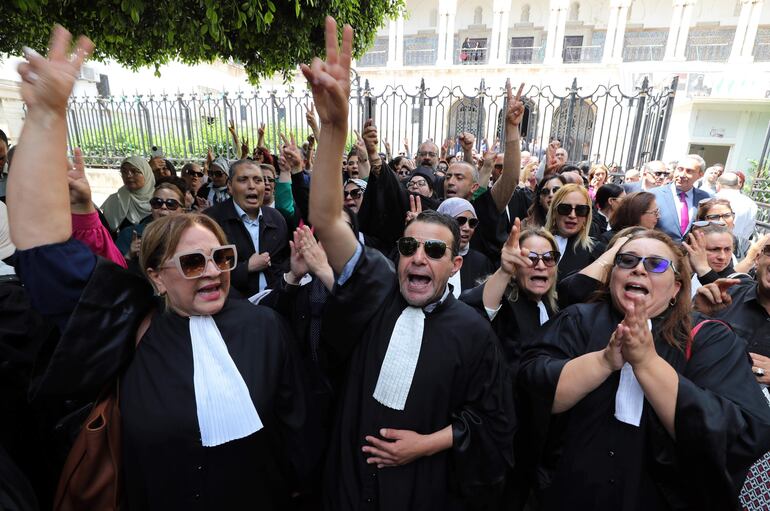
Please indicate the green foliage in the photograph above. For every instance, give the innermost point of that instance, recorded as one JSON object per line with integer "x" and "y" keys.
{"x": 266, "y": 36}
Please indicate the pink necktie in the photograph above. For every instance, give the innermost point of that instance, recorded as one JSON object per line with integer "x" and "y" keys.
{"x": 685, "y": 221}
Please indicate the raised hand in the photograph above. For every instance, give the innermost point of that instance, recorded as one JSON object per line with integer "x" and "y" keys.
{"x": 80, "y": 190}
{"x": 47, "y": 83}
{"x": 297, "y": 263}
{"x": 311, "y": 250}
{"x": 512, "y": 256}
{"x": 714, "y": 297}
{"x": 515, "y": 112}
{"x": 261, "y": 131}
{"x": 370, "y": 137}
{"x": 467, "y": 140}
{"x": 310, "y": 118}
{"x": 330, "y": 79}
{"x": 291, "y": 153}
{"x": 244, "y": 147}
{"x": 696, "y": 250}
{"x": 415, "y": 207}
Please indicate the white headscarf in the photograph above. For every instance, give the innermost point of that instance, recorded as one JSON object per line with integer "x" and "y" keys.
{"x": 455, "y": 206}
{"x": 125, "y": 204}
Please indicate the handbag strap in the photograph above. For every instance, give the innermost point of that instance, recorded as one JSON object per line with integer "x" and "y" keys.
{"x": 694, "y": 332}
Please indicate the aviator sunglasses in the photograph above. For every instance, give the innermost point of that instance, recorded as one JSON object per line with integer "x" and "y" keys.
{"x": 472, "y": 222}
{"x": 435, "y": 249}
{"x": 354, "y": 194}
{"x": 652, "y": 264}
{"x": 193, "y": 264}
{"x": 565, "y": 209}
{"x": 550, "y": 258}
{"x": 171, "y": 204}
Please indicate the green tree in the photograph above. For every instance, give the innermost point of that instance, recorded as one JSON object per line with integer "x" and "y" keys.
{"x": 265, "y": 36}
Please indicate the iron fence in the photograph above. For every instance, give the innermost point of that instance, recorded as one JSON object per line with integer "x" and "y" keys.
{"x": 604, "y": 125}
{"x": 760, "y": 186}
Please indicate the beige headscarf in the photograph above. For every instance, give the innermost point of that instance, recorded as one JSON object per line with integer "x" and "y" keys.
{"x": 6, "y": 245}
{"x": 125, "y": 204}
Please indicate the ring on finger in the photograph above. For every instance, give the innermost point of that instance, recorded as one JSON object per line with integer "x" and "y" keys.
{"x": 758, "y": 372}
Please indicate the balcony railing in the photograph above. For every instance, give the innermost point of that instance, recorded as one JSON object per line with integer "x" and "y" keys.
{"x": 762, "y": 52}
{"x": 582, "y": 54}
{"x": 717, "y": 52}
{"x": 420, "y": 56}
{"x": 471, "y": 56}
{"x": 643, "y": 52}
{"x": 374, "y": 58}
{"x": 526, "y": 54}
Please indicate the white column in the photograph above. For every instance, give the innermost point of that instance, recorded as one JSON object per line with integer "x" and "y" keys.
{"x": 450, "y": 33}
{"x": 399, "y": 61}
{"x": 609, "y": 39}
{"x": 620, "y": 34}
{"x": 441, "y": 28}
{"x": 673, "y": 31}
{"x": 494, "y": 46}
{"x": 558, "y": 47}
{"x": 392, "y": 48}
{"x": 751, "y": 31}
{"x": 740, "y": 31}
{"x": 499, "y": 46}
{"x": 684, "y": 31}
{"x": 557, "y": 22}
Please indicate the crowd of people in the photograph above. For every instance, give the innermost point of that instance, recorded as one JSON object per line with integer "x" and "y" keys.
{"x": 339, "y": 328}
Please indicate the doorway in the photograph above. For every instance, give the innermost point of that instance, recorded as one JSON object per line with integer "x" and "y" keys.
{"x": 711, "y": 153}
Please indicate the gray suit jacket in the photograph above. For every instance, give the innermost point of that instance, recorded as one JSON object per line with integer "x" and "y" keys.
{"x": 669, "y": 218}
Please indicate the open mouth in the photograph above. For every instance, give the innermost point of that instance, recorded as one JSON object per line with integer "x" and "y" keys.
{"x": 210, "y": 292}
{"x": 451, "y": 192}
{"x": 418, "y": 282}
{"x": 252, "y": 197}
{"x": 636, "y": 289}
{"x": 540, "y": 279}
{"x": 570, "y": 225}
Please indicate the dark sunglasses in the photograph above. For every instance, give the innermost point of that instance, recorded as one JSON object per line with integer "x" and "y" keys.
{"x": 472, "y": 222}
{"x": 661, "y": 174}
{"x": 550, "y": 258}
{"x": 193, "y": 264}
{"x": 580, "y": 209}
{"x": 435, "y": 249}
{"x": 353, "y": 194}
{"x": 217, "y": 173}
{"x": 171, "y": 204}
{"x": 548, "y": 191}
{"x": 193, "y": 173}
{"x": 652, "y": 264}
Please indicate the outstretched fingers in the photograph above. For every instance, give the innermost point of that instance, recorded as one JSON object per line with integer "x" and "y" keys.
{"x": 518, "y": 94}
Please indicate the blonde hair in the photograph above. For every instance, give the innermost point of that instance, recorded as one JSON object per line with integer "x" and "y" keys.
{"x": 512, "y": 292}
{"x": 583, "y": 240}
{"x": 597, "y": 167}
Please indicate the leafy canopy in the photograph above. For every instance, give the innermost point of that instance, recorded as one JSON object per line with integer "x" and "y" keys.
{"x": 265, "y": 36}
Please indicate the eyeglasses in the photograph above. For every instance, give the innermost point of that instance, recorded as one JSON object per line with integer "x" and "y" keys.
{"x": 353, "y": 194}
{"x": 435, "y": 249}
{"x": 193, "y": 264}
{"x": 125, "y": 171}
{"x": 415, "y": 183}
{"x": 171, "y": 204}
{"x": 549, "y": 191}
{"x": 550, "y": 258}
{"x": 193, "y": 173}
{"x": 723, "y": 216}
{"x": 405, "y": 171}
{"x": 565, "y": 209}
{"x": 706, "y": 223}
{"x": 652, "y": 264}
{"x": 430, "y": 154}
{"x": 217, "y": 173}
{"x": 472, "y": 222}
{"x": 661, "y": 174}
{"x": 655, "y": 212}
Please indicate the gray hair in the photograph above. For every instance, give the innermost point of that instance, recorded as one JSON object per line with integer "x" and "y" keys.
{"x": 700, "y": 160}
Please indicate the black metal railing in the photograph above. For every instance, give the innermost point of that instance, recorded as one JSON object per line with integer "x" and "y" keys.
{"x": 604, "y": 124}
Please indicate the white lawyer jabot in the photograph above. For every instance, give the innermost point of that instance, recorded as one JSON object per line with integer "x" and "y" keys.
{"x": 400, "y": 360}
{"x": 224, "y": 406}
{"x": 629, "y": 398}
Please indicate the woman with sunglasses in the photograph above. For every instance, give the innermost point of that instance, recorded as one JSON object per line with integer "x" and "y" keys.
{"x": 628, "y": 411}
{"x": 131, "y": 203}
{"x": 476, "y": 265}
{"x": 569, "y": 220}
{"x": 166, "y": 200}
{"x": 215, "y": 191}
{"x": 212, "y": 408}
{"x": 544, "y": 193}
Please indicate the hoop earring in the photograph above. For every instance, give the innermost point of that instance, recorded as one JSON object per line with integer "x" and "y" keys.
{"x": 672, "y": 302}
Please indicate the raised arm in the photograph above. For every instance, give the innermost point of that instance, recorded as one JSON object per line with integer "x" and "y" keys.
{"x": 506, "y": 184}
{"x": 330, "y": 82}
{"x": 40, "y": 215}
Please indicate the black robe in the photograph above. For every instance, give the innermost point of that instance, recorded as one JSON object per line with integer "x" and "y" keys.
{"x": 164, "y": 464}
{"x": 574, "y": 258}
{"x": 590, "y": 460}
{"x": 460, "y": 380}
{"x": 475, "y": 266}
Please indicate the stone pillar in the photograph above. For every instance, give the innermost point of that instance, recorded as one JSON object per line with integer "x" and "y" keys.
{"x": 392, "y": 43}
{"x": 450, "y": 34}
{"x": 399, "y": 60}
{"x": 751, "y": 31}
{"x": 446, "y": 32}
{"x": 684, "y": 31}
{"x": 609, "y": 39}
{"x": 501, "y": 11}
{"x": 557, "y": 23}
{"x": 441, "y": 29}
{"x": 673, "y": 31}
{"x": 620, "y": 33}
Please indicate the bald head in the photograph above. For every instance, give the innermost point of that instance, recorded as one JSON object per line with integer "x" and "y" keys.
{"x": 729, "y": 181}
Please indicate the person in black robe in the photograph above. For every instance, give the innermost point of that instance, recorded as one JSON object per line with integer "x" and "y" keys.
{"x": 99, "y": 306}
{"x": 632, "y": 413}
{"x": 436, "y": 433}
{"x": 569, "y": 220}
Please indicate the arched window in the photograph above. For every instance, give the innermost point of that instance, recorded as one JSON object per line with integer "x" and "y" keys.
{"x": 525, "y": 13}
{"x": 574, "y": 11}
{"x": 477, "y": 14}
